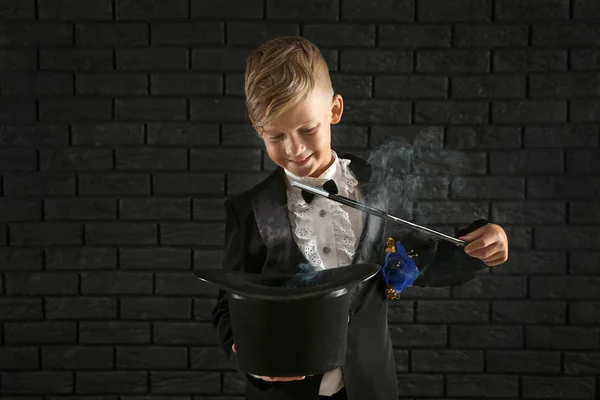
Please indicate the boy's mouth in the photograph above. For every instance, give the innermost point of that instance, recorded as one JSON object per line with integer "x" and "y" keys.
{"x": 301, "y": 161}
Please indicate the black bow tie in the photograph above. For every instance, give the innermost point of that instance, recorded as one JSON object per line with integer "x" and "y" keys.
{"x": 328, "y": 186}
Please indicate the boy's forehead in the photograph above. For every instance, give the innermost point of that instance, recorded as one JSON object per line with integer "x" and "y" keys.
{"x": 303, "y": 113}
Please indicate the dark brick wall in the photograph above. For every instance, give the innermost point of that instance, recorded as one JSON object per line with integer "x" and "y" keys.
{"x": 123, "y": 127}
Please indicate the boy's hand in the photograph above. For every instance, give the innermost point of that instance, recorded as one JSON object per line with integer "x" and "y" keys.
{"x": 275, "y": 379}
{"x": 488, "y": 243}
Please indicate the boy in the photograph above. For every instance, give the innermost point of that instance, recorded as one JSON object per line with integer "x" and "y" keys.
{"x": 273, "y": 227}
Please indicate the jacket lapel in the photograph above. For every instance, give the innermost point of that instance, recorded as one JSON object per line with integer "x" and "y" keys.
{"x": 270, "y": 210}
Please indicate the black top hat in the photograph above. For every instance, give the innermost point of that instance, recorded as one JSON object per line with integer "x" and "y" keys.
{"x": 290, "y": 325}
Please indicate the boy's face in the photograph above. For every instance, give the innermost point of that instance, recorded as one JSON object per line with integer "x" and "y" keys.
{"x": 300, "y": 139}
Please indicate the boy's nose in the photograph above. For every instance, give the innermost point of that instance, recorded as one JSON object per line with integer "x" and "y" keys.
{"x": 295, "y": 149}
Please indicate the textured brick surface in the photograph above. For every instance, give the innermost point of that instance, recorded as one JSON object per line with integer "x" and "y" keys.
{"x": 123, "y": 127}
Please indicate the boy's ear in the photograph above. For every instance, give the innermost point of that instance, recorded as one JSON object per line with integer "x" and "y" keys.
{"x": 337, "y": 109}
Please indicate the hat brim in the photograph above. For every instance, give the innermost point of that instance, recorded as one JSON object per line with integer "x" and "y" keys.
{"x": 288, "y": 287}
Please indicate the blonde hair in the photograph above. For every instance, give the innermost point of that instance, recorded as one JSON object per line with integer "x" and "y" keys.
{"x": 281, "y": 73}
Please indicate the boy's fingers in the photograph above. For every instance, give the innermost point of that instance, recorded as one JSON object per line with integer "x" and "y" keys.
{"x": 233, "y": 348}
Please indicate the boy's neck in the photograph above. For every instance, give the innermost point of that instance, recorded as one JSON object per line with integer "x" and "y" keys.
{"x": 321, "y": 170}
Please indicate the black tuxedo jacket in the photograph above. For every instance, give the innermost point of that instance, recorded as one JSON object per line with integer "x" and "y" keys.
{"x": 258, "y": 239}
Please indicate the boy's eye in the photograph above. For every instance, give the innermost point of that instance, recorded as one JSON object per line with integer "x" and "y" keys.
{"x": 277, "y": 137}
{"x": 309, "y": 130}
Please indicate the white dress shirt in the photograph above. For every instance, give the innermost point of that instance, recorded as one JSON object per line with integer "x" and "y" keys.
{"x": 327, "y": 232}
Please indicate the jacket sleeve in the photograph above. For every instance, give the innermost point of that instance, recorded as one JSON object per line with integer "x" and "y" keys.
{"x": 449, "y": 265}
{"x": 235, "y": 258}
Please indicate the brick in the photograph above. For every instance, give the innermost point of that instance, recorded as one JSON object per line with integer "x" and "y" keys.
{"x": 108, "y": 134}
{"x": 563, "y": 86}
{"x": 155, "y": 259}
{"x": 340, "y": 34}
{"x": 451, "y": 112}
{"x": 485, "y": 137}
{"x": 453, "y": 10}
{"x": 120, "y": 233}
{"x": 415, "y": 292}
{"x": 453, "y": 61}
{"x": 208, "y": 358}
{"x": 218, "y": 109}
{"x": 187, "y": 33}
{"x": 352, "y": 85}
{"x": 550, "y": 287}
{"x": 80, "y": 258}
{"x": 187, "y": 184}
{"x": 116, "y": 283}
{"x": 220, "y": 59}
{"x": 192, "y": 233}
{"x": 386, "y": 10}
{"x": 38, "y": 382}
{"x": 19, "y": 358}
{"x": 71, "y": 59}
{"x": 155, "y": 308}
{"x": 112, "y": 34}
{"x": 529, "y": 212}
{"x": 114, "y": 84}
{"x": 234, "y": 84}
{"x": 208, "y": 210}
{"x": 570, "y": 237}
{"x": 376, "y": 61}
{"x": 488, "y": 337}
{"x": 80, "y": 209}
{"x": 66, "y": 10}
{"x": 183, "y": 133}
{"x": 411, "y": 86}
{"x": 584, "y": 59}
{"x": 111, "y": 382}
{"x": 583, "y": 161}
{"x": 418, "y": 336}
{"x": 586, "y": 9}
{"x": 559, "y": 187}
{"x": 207, "y": 257}
{"x": 24, "y": 34}
{"x": 152, "y": 58}
{"x": 148, "y": 9}
{"x": 582, "y": 363}
{"x": 154, "y": 209}
{"x": 525, "y": 362}
{"x": 559, "y": 387}
{"x": 186, "y": 84}
{"x": 349, "y": 136}
{"x": 225, "y": 160}
{"x": 151, "y": 159}
{"x": 584, "y": 312}
{"x": 77, "y": 357}
{"x": 529, "y": 312}
{"x": 533, "y": 262}
{"x": 492, "y": 287}
{"x": 490, "y": 35}
{"x": 571, "y": 135}
{"x": 19, "y": 259}
{"x": 183, "y": 382}
{"x": 378, "y": 111}
{"x": 304, "y": 10}
{"x": 44, "y": 283}
{"x": 150, "y": 109}
{"x": 117, "y": 332}
{"x": 34, "y": 135}
{"x": 401, "y": 311}
{"x": 446, "y": 361}
{"x": 38, "y": 333}
{"x": 203, "y": 309}
{"x": 487, "y": 187}
{"x": 584, "y": 262}
{"x": 184, "y": 333}
{"x": 254, "y": 33}
{"x": 251, "y": 9}
{"x": 585, "y": 110}
{"x": 529, "y": 60}
{"x": 18, "y": 59}
{"x": 19, "y": 309}
{"x": 18, "y": 159}
{"x": 534, "y": 10}
{"x": 46, "y": 234}
{"x": 417, "y": 36}
{"x": 156, "y": 357}
{"x": 81, "y": 308}
{"x": 520, "y": 237}
{"x": 449, "y": 212}
{"x": 566, "y": 34}
{"x": 420, "y": 385}
{"x": 114, "y": 184}
{"x": 561, "y": 337}
{"x": 238, "y": 183}
{"x": 528, "y": 111}
{"x": 75, "y": 109}
{"x": 584, "y": 212}
{"x": 449, "y": 311}
{"x": 17, "y": 9}
{"x": 75, "y": 159}
{"x": 17, "y": 110}
{"x": 490, "y": 86}
{"x": 36, "y": 84}
{"x": 482, "y": 386}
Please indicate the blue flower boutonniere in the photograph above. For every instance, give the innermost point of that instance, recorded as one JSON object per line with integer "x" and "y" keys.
{"x": 399, "y": 270}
